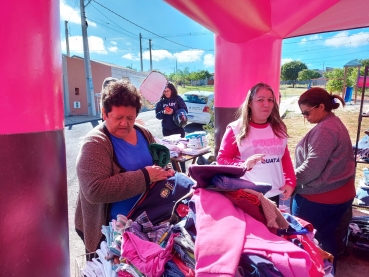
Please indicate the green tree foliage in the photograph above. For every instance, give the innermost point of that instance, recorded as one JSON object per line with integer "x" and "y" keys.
{"x": 290, "y": 71}
{"x": 183, "y": 76}
{"x": 209, "y": 128}
{"x": 307, "y": 74}
{"x": 364, "y": 63}
{"x": 335, "y": 82}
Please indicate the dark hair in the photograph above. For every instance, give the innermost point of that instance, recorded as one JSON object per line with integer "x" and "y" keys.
{"x": 107, "y": 81}
{"x": 120, "y": 93}
{"x": 172, "y": 89}
{"x": 275, "y": 120}
{"x": 316, "y": 96}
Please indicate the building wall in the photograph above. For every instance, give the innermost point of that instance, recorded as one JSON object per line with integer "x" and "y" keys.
{"x": 136, "y": 78}
{"x": 99, "y": 73}
{"x": 76, "y": 80}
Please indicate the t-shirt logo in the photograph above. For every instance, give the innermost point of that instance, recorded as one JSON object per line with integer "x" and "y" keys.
{"x": 164, "y": 193}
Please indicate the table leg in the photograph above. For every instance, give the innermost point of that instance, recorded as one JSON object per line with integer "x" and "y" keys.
{"x": 176, "y": 165}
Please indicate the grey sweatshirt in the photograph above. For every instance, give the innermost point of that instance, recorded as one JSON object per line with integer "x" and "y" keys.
{"x": 324, "y": 159}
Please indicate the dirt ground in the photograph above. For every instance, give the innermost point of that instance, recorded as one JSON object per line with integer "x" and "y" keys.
{"x": 353, "y": 263}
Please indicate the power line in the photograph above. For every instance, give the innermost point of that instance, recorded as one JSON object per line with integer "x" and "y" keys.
{"x": 319, "y": 49}
{"x": 185, "y": 34}
{"x": 343, "y": 36}
{"x": 113, "y": 21}
{"x": 112, "y": 28}
{"x": 144, "y": 28}
{"x": 324, "y": 57}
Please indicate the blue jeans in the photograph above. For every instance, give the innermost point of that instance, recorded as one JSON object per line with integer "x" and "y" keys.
{"x": 324, "y": 217}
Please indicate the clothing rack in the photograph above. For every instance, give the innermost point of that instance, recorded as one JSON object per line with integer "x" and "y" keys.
{"x": 360, "y": 118}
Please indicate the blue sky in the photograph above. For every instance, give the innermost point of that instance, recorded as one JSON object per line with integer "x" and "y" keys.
{"x": 179, "y": 42}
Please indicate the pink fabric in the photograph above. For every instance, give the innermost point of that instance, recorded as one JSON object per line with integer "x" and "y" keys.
{"x": 146, "y": 256}
{"x": 187, "y": 272}
{"x": 230, "y": 155}
{"x": 124, "y": 274}
{"x": 317, "y": 266}
{"x": 224, "y": 232}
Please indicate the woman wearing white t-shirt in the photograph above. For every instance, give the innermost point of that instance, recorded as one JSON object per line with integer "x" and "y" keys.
{"x": 257, "y": 140}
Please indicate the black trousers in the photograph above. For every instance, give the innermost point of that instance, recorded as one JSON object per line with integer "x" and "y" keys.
{"x": 180, "y": 131}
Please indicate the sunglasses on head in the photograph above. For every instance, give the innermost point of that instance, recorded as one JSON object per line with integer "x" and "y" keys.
{"x": 307, "y": 113}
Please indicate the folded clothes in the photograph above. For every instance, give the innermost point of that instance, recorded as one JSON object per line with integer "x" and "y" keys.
{"x": 226, "y": 182}
{"x": 241, "y": 194}
{"x": 250, "y": 204}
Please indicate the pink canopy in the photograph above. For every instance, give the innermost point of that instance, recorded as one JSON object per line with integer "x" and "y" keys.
{"x": 242, "y": 20}
{"x": 248, "y": 40}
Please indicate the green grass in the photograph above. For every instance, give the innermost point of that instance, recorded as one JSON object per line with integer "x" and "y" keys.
{"x": 182, "y": 90}
{"x": 286, "y": 90}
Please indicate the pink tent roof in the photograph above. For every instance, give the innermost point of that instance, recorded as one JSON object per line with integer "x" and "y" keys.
{"x": 242, "y": 20}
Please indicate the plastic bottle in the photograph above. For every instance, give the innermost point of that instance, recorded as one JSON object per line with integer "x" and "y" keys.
{"x": 366, "y": 175}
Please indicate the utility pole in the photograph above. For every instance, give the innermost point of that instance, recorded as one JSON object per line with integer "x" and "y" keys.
{"x": 176, "y": 65}
{"x": 86, "y": 51}
{"x": 67, "y": 37}
{"x": 141, "y": 52}
{"x": 150, "y": 55}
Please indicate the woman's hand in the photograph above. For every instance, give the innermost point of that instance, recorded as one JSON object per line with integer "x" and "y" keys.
{"x": 288, "y": 190}
{"x": 156, "y": 173}
{"x": 253, "y": 160}
{"x": 171, "y": 172}
{"x": 168, "y": 110}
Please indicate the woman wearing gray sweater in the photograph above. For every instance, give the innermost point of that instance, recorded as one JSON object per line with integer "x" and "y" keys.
{"x": 325, "y": 168}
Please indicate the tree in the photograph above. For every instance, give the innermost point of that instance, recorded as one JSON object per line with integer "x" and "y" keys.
{"x": 364, "y": 63}
{"x": 335, "y": 84}
{"x": 290, "y": 71}
{"x": 307, "y": 74}
{"x": 203, "y": 74}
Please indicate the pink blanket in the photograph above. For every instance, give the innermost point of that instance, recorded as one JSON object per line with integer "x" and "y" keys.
{"x": 146, "y": 256}
{"x": 224, "y": 232}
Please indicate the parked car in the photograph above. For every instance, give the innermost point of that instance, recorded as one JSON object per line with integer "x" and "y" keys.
{"x": 198, "y": 103}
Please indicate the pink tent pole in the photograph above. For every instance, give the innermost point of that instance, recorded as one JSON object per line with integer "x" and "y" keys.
{"x": 257, "y": 60}
{"x": 34, "y": 211}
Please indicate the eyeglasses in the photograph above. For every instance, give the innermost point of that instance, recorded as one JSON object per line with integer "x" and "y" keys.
{"x": 307, "y": 113}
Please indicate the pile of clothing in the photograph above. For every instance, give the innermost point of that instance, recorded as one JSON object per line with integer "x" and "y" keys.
{"x": 224, "y": 226}
{"x": 359, "y": 235}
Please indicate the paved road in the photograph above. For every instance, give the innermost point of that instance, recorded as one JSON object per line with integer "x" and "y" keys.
{"x": 73, "y": 138}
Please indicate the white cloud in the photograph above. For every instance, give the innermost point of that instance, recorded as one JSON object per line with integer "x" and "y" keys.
{"x": 344, "y": 39}
{"x": 303, "y": 41}
{"x": 95, "y": 44}
{"x": 188, "y": 56}
{"x": 157, "y": 55}
{"x": 286, "y": 60}
{"x": 72, "y": 15}
{"x": 182, "y": 57}
{"x": 113, "y": 42}
{"x": 209, "y": 60}
{"x": 113, "y": 49}
{"x": 130, "y": 57}
{"x": 310, "y": 38}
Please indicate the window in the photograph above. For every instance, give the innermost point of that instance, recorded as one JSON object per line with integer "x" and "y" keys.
{"x": 76, "y": 91}
{"x": 195, "y": 99}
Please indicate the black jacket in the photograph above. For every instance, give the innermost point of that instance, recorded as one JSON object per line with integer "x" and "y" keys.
{"x": 167, "y": 119}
